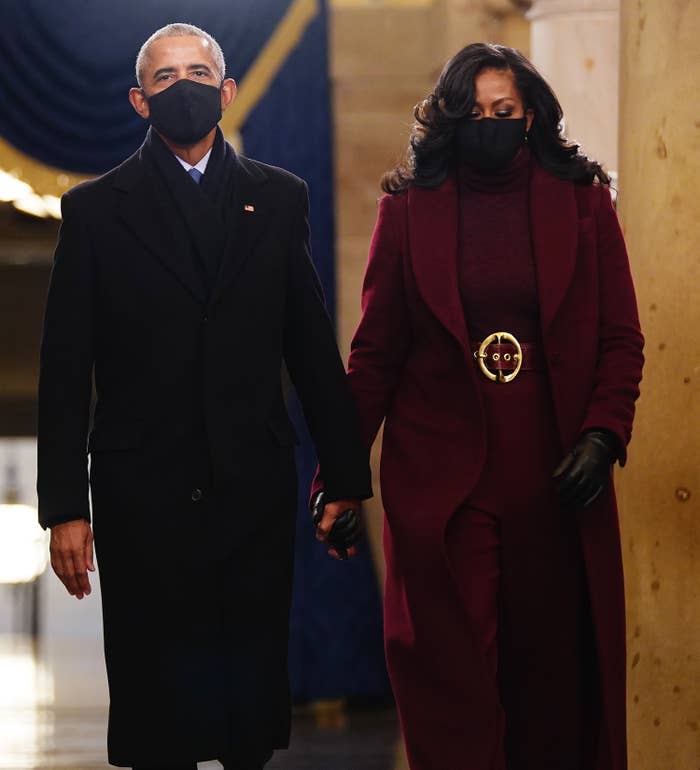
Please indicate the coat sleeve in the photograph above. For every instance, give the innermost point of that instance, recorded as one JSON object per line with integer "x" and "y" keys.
{"x": 65, "y": 377}
{"x": 314, "y": 365}
{"x": 381, "y": 343}
{"x": 620, "y": 358}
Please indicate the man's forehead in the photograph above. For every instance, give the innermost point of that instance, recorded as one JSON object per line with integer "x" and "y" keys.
{"x": 168, "y": 50}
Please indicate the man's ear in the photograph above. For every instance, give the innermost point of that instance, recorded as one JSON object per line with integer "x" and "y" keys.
{"x": 139, "y": 102}
{"x": 229, "y": 89}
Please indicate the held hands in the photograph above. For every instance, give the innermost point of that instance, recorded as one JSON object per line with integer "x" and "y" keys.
{"x": 72, "y": 556}
{"x": 338, "y": 525}
{"x": 585, "y": 471}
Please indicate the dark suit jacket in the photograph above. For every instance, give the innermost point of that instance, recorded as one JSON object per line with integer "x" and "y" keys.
{"x": 192, "y": 471}
{"x": 411, "y": 364}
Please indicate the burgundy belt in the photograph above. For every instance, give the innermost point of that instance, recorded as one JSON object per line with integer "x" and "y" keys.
{"x": 501, "y": 357}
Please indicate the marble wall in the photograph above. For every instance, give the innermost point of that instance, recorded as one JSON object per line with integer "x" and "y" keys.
{"x": 660, "y": 488}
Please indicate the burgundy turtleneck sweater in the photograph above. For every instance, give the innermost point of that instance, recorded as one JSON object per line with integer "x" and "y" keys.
{"x": 497, "y": 278}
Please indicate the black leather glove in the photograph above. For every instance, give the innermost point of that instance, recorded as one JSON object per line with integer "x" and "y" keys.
{"x": 345, "y": 532}
{"x": 585, "y": 472}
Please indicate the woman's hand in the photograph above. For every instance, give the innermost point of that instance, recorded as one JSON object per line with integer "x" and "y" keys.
{"x": 338, "y": 525}
{"x": 585, "y": 472}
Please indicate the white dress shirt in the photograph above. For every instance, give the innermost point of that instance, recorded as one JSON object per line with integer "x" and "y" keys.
{"x": 201, "y": 166}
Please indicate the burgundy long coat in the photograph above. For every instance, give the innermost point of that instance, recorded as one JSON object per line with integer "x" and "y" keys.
{"x": 411, "y": 365}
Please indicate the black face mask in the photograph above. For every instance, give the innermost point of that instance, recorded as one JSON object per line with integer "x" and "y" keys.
{"x": 490, "y": 143}
{"x": 186, "y": 111}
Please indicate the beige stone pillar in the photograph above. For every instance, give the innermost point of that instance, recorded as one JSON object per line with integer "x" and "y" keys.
{"x": 660, "y": 488}
{"x": 575, "y": 45}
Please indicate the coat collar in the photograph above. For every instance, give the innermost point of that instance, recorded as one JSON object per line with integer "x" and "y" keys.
{"x": 433, "y": 223}
{"x": 147, "y": 217}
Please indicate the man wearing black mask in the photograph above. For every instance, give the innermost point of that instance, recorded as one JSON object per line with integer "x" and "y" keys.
{"x": 183, "y": 280}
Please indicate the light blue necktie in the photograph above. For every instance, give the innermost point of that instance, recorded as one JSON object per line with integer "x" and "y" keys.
{"x": 195, "y": 174}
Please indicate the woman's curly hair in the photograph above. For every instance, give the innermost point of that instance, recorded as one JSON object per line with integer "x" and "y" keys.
{"x": 431, "y": 150}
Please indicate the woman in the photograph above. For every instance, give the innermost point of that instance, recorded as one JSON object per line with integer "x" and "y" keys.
{"x": 500, "y": 343}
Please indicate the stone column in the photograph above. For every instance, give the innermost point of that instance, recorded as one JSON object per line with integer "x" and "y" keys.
{"x": 659, "y": 490}
{"x": 575, "y": 45}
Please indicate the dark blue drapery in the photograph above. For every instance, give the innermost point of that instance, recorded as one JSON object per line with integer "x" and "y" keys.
{"x": 65, "y": 71}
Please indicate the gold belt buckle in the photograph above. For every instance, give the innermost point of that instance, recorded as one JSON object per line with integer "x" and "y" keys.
{"x": 482, "y": 356}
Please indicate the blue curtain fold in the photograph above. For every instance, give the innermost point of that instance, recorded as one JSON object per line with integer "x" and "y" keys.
{"x": 65, "y": 72}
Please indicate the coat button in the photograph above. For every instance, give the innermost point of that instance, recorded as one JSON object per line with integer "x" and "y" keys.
{"x": 196, "y": 495}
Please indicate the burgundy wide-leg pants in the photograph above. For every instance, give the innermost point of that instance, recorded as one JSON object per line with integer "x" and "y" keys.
{"x": 516, "y": 558}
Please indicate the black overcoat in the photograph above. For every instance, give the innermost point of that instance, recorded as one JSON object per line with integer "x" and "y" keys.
{"x": 192, "y": 470}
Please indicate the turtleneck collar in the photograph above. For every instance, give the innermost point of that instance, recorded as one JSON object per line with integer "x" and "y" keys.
{"x": 515, "y": 176}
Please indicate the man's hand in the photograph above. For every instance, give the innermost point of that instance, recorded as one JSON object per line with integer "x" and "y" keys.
{"x": 346, "y": 530}
{"x": 72, "y": 556}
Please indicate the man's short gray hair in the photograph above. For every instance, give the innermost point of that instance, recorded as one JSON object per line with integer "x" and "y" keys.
{"x": 180, "y": 30}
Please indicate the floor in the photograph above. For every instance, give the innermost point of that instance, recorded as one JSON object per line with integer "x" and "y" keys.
{"x": 53, "y": 715}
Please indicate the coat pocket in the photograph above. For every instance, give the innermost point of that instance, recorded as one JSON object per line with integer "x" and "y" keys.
{"x": 282, "y": 430}
{"x": 115, "y": 437}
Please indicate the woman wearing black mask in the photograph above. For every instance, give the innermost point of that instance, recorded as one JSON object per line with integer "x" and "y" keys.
{"x": 500, "y": 343}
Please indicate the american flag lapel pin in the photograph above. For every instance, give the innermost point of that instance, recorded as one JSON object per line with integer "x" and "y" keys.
{"x": 249, "y": 208}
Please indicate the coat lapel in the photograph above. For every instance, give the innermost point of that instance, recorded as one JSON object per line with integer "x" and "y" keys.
{"x": 433, "y": 232}
{"x": 554, "y": 218}
{"x": 148, "y": 218}
{"x": 251, "y": 216}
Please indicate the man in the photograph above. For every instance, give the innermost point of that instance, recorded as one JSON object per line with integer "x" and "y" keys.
{"x": 183, "y": 279}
